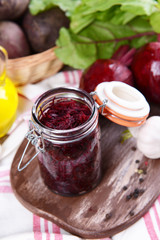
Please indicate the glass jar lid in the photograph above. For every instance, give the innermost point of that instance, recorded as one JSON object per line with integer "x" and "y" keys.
{"x": 122, "y": 103}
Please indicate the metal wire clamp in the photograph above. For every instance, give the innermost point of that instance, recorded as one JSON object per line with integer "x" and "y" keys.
{"x": 33, "y": 139}
{"x": 102, "y": 107}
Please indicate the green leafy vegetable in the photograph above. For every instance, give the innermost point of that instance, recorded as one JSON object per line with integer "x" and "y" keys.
{"x": 90, "y": 7}
{"x": 155, "y": 20}
{"x": 37, "y": 6}
{"x": 99, "y": 27}
{"x": 101, "y": 40}
{"x": 72, "y": 53}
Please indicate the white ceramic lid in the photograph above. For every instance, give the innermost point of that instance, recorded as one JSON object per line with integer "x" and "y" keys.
{"x": 123, "y": 101}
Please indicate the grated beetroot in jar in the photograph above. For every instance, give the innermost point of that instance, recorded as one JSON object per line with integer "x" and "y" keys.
{"x": 65, "y": 114}
{"x": 71, "y": 162}
{"x": 72, "y": 169}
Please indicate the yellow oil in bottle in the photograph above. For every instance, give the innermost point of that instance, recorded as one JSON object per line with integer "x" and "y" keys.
{"x": 8, "y": 96}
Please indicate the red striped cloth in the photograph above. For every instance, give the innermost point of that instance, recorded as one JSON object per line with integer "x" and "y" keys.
{"x": 16, "y": 222}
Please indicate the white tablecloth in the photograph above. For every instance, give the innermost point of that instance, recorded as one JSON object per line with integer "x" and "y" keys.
{"x": 16, "y": 222}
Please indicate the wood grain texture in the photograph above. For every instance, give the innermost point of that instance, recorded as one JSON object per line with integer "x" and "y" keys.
{"x": 106, "y": 210}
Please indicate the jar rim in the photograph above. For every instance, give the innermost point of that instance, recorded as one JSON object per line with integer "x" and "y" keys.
{"x": 61, "y": 90}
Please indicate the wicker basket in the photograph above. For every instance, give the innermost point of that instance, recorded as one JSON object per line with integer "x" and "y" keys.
{"x": 33, "y": 68}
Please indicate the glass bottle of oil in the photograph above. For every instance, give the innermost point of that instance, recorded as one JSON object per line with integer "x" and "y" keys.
{"x": 8, "y": 96}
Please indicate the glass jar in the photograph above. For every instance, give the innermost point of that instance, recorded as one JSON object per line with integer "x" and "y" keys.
{"x": 69, "y": 160}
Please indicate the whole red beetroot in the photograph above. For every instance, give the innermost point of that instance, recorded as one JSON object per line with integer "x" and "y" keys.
{"x": 146, "y": 70}
{"x": 42, "y": 30}
{"x": 105, "y": 70}
{"x": 13, "y": 39}
{"x": 12, "y": 9}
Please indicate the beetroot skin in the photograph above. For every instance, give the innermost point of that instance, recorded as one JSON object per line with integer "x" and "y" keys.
{"x": 13, "y": 39}
{"x": 12, "y": 9}
{"x": 146, "y": 70}
{"x": 42, "y": 30}
{"x": 105, "y": 70}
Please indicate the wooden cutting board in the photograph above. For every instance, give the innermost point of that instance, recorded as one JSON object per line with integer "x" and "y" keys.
{"x": 129, "y": 187}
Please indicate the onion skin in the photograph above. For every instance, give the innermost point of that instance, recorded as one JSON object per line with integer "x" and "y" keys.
{"x": 105, "y": 70}
{"x": 146, "y": 71}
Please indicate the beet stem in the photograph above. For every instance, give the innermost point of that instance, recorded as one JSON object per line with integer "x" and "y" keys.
{"x": 121, "y": 39}
{"x": 158, "y": 37}
{"x": 128, "y": 57}
{"x": 121, "y": 51}
{"x": 124, "y": 55}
